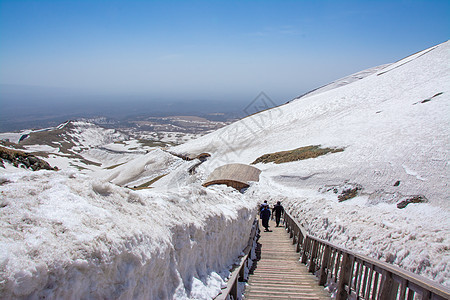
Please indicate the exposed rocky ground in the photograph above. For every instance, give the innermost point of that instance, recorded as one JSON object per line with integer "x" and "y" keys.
{"x": 22, "y": 159}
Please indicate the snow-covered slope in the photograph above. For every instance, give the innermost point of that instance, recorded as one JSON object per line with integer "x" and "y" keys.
{"x": 394, "y": 128}
{"x": 388, "y": 130}
{"x": 343, "y": 81}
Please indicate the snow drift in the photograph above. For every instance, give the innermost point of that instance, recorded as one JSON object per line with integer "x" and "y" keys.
{"x": 65, "y": 235}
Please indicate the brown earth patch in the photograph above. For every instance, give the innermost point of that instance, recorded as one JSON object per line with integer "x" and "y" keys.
{"x": 148, "y": 184}
{"x": 348, "y": 194}
{"x": 296, "y": 154}
{"x": 413, "y": 199}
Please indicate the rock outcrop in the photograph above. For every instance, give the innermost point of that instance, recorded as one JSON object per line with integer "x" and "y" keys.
{"x": 22, "y": 159}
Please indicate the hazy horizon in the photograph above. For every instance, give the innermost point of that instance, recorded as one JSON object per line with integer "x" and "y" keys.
{"x": 166, "y": 56}
{"x": 25, "y": 107}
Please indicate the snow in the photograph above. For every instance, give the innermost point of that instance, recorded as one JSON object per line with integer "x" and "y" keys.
{"x": 143, "y": 168}
{"x": 12, "y": 137}
{"x": 388, "y": 134}
{"x": 89, "y": 135}
{"x": 41, "y": 148}
{"x": 344, "y": 81}
{"x": 66, "y": 235}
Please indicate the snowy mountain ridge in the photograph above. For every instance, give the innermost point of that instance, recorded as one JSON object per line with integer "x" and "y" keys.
{"x": 379, "y": 70}
{"x": 343, "y": 81}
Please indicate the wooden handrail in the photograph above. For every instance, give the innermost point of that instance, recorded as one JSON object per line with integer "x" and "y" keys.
{"x": 238, "y": 273}
{"x": 357, "y": 275}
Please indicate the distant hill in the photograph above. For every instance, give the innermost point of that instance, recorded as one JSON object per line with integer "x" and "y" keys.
{"x": 66, "y": 144}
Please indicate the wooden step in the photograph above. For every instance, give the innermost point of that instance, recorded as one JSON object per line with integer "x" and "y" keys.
{"x": 278, "y": 273}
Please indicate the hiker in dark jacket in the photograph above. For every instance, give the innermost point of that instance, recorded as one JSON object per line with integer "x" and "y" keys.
{"x": 265, "y": 216}
{"x": 262, "y": 206}
{"x": 278, "y": 210}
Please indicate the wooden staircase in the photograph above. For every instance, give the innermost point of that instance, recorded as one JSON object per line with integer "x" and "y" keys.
{"x": 277, "y": 273}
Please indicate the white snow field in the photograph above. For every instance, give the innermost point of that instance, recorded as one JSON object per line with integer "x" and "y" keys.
{"x": 393, "y": 124}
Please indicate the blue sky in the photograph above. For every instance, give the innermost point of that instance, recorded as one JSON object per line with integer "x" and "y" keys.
{"x": 208, "y": 50}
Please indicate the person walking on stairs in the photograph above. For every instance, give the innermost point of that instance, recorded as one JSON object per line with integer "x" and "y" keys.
{"x": 262, "y": 206}
{"x": 265, "y": 216}
{"x": 278, "y": 210}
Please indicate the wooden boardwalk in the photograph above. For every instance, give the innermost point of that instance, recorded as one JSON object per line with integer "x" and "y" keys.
{"x": 278, "y": 273}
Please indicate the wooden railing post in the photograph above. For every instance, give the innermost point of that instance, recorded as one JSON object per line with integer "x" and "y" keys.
{"x": 294, "y": 235}
{"x": 358, "y": 278}
{"x": 305, "y": 250}
{"x": 386, "y": 289}
{"x": 286, "y": 221}
{"x": 426, "y": 295}
{"x": 403, "y": 284}
{"x": 350, "y": 273}
{"x": 337, "y": 264}
{"x": 343, "y": 277}
{"x": 313, "y": 255}
{"x": 299, "y": 242}
{"x": 241, "y": 276}
{"x": 323, "y": 268}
